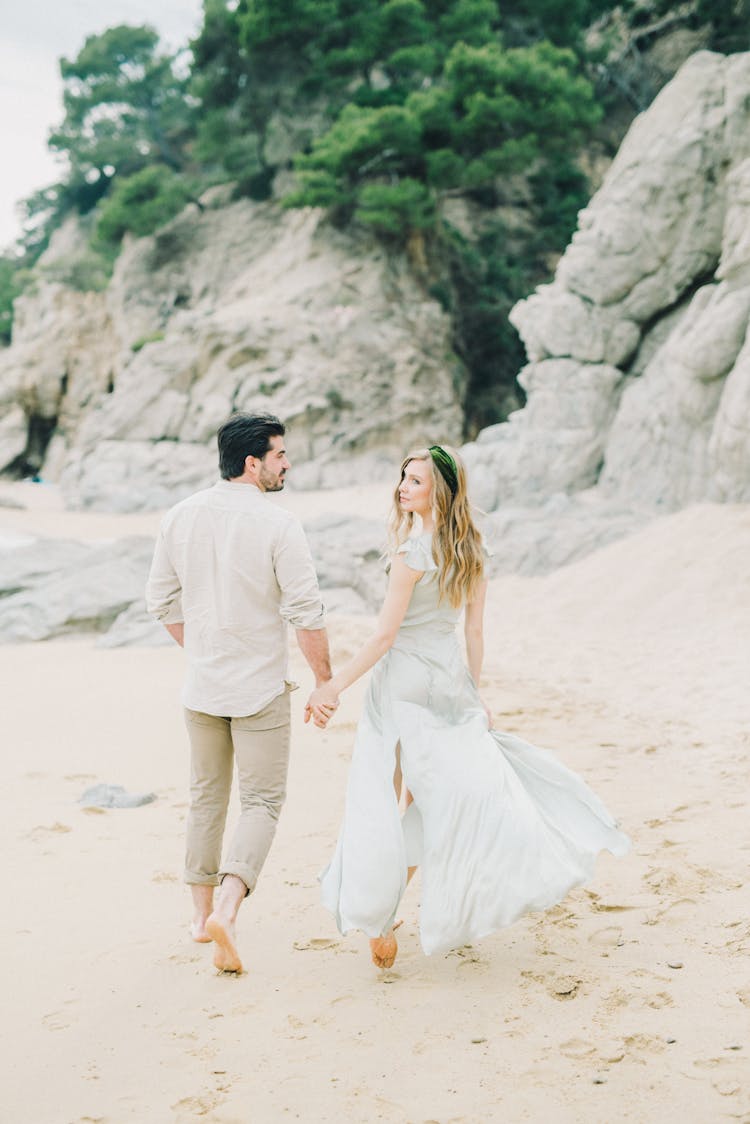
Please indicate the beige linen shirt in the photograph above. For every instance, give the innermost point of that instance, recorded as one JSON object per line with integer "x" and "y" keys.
{"x": 236, "y": 569}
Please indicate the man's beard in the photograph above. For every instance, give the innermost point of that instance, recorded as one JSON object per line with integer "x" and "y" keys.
{"x": 271, "y": 482}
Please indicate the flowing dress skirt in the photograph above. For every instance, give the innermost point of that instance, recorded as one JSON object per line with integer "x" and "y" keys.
{"x": 498, "y": 827}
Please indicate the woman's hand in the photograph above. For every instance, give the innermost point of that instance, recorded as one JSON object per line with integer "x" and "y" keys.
{"x": 322, "y": 704}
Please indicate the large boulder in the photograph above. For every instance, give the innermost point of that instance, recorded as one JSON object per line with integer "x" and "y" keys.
{"x": 244, "y": 306}
{"x": 639, "y": 362}
{"x": 52, "y": 587}
{"x": 55, "y": 587}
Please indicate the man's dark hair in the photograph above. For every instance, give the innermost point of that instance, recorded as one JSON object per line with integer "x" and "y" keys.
{"x": 245, "y": 435}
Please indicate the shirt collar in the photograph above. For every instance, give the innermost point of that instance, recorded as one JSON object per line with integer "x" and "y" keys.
{"x": 238, "y": 489}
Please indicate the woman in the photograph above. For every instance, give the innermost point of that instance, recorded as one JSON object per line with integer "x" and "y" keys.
{"x": 497, "y": 826}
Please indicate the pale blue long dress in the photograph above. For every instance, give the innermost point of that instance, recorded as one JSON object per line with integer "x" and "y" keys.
{"x": 497, "y": 826}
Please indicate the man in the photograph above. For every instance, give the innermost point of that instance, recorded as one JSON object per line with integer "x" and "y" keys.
{"x": 230, "y": 571}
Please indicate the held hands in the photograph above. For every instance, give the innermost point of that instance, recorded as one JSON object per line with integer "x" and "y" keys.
{"x": 321, "y": 705}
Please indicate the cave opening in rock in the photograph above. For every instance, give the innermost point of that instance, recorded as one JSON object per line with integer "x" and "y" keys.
{"x": 39, "y": 434}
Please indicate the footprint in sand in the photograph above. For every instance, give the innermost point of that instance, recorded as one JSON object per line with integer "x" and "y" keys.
{"x": 676, "y": 913}
{"x": 644, "y": 1044}
{"x": 342, "y": 998}
{"x": 389, "y": 976}
{"x": 727, "y": 1088}
{"x": 577, "y": 1048}
{"x": 316, "y": 944}
{"x": 55, "y": 1020}
{"x": 659, "y": 1000}
{"x": 714, "y": 1063}
{"x": 611, "y": 937}
{"x": 297, "y": 1028}
{"x": 197, "y": 1106}
{"x": 42, "y": 831}
{"x": 468, "y": 957}
{"x": 184, "y": 958}
{"x": 559, "y": 987}
{"x": 564, "y": 987}
{"x": 610, "y": 907}
{"x": 616, "y": 999}
{"x": 559, "y": 915}
{"x": 610, "y": 1053}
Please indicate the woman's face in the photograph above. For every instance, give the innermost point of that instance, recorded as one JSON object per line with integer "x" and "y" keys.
{"x": 415, "y": 489}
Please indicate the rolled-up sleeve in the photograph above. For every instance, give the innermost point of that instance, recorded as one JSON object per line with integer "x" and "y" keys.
{"x": 301, "y": 604}
{"x": 163, "y": 589}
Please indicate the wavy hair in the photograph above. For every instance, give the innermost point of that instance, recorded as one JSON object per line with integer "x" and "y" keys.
{"x": 456, "y": 543}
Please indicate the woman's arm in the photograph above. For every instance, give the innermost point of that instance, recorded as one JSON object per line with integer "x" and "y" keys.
{"x": 474, "y": 633}
{"x": 400, "y": 587}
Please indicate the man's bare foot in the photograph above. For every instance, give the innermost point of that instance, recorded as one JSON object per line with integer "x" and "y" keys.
{"x": 203, "y": 907}
{"x": 198, "y": 931}
{"x": 226, "y": 957}
{"x": 383, "y": 950}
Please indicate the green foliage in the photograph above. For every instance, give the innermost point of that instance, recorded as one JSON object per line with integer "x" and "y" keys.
{"x": 495, "y": 112}
{"x": 154, "y": 337}
{"x": 560, "y": 191}
{"x": 141, "y": 203}
{"x": 560, "y": 21}
{"x": 9, "y": 290}
{"x": 392, "y": 208}
{"x": 729, "y": 21}
{"x": 396, "y": 106}
{"x": 125, "y": 107}
{"x": 485, "y": 279}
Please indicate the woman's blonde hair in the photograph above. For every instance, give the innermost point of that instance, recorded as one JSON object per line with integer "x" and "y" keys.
{"x": 456, "y": 542}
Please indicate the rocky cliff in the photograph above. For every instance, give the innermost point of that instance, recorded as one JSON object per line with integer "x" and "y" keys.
{"x": 638, "y": 378}
{"x": 117, "y": 395}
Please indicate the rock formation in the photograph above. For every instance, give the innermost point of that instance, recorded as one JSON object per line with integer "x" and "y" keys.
{"x": 240, "y": 306}
{"x": 57, "y": 587}
{"x": 638, "y": 379}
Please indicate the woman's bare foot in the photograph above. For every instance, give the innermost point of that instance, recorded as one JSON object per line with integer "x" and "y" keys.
{"x": 226, "y": 956}
{"x": 383, "y": 950}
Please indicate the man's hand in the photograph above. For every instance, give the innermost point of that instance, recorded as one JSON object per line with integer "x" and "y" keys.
{"x": 321, "y": 705}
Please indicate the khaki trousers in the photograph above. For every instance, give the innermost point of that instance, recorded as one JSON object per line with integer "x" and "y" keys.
{"x": 259, "y": 743}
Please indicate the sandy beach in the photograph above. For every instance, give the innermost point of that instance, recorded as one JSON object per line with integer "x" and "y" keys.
{"x": 630, "y": 1001}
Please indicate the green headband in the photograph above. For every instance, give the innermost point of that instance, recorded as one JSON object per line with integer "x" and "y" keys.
{"x": 447, "y": 466}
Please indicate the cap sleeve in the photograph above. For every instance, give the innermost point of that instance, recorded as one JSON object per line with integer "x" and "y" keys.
{"x": 418, "y": 555}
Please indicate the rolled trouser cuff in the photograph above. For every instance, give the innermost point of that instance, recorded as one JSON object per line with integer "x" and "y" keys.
{"x": 242, "y": 871}
{"x": 193, "y": 879}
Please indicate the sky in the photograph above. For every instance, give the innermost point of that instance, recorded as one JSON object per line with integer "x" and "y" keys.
{"x": 34, "y": 34}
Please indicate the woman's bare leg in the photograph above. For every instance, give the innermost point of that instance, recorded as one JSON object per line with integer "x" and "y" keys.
{"x": 383, "y": 950}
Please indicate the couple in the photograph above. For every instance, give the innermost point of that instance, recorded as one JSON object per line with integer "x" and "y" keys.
{"x": 497, "y": 826}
